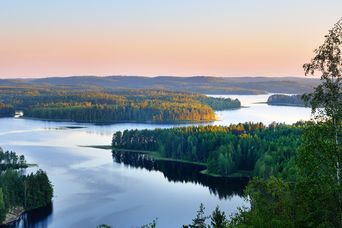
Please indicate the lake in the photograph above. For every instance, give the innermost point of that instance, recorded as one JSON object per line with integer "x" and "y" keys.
{"x": 94, "y": 186}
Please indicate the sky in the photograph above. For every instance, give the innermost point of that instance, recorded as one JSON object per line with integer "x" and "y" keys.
{"x": 41, "y": 38}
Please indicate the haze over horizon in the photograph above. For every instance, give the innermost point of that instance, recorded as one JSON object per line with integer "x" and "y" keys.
{"x": 151, "y": 38}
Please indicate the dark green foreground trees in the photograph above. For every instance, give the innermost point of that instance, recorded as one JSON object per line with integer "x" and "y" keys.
{"x": 314, "y": 198}
{"x": 18, "y": 190}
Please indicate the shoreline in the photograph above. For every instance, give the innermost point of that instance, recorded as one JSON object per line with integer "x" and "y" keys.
{"x": 13, "y": 215}
{"x": 156, "y": 156}
{"x": 118, "y": 122}
{"x": 128, "y": 121}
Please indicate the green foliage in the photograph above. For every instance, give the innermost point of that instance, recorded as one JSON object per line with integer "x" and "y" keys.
{"x": 38, "y": 190}
{"x": 317, "y": 188}
{"x": 287, "y": 100}
{"x": 103, "y": 106}
{"x": 221, "y": 103}
{"x": 2, "y": 206}
{"x": 271, "y": 205}
{"x": 27, "y": 191}
{"x": 103, "y": 226}
{"x": 152, "y": 224}
{"x": 11, "y": 160}
{"x": 324, "y": 156}
{"x": 311, "y": 200}
{"x": 263, "y": 150}
{"x": 199, "y": 220}
{"x": 314, "y": 198}
{"x": 218, "y": 219}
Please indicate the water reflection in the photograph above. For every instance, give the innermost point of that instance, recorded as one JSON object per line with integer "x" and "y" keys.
{"x": 91, "y": 190}
{"x": 40, "y": 217}
{"x": 173, "y": 171}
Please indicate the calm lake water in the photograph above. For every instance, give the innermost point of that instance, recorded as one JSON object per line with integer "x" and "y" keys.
{"x": 94, "y": 186}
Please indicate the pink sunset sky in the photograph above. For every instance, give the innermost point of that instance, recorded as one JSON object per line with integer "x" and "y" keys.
{"x": 42, "y": 38}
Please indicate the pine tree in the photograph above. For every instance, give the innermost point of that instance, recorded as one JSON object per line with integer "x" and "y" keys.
{"x": 199, "y": 221}
{"x": 218, "y": 219}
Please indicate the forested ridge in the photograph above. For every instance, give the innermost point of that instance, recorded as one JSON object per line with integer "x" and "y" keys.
{"x": 243, "y": 148}
{"x": 195, "y": 84}
{"x": 111, "y": 106}
{"x": 18, "y": 190}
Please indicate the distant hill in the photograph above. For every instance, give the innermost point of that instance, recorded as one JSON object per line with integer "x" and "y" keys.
{"x": 197, "y": 84}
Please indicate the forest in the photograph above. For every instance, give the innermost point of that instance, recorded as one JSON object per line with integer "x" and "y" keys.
{"x": 194, "y": 84}
{"x": 111, "y": 106}
{"x": 250, "y": 149}
{"x": 286, "y": 100}
{"x": 18, "y": 190}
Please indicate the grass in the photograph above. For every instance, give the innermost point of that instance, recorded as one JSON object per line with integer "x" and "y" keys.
{"x": 237, "y": 174}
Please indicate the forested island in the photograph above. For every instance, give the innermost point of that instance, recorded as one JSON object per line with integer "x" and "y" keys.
{"x": 20, "y": 192}
{"x": 237, "y": 150}
{"x": 286, "y": 100}
{"x": 99, "y": 106}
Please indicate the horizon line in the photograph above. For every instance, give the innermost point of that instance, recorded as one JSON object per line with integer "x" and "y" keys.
{"x": 153, "y": 76}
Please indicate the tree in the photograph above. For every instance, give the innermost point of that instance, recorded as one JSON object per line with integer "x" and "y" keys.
{"x": 317, "y": 193}
{"x": 103, "y": 226}
{"x": 2, "y": 207}
{"x": 313, "y": 198}
{"x": 326, "y": 100}
{"x": 271, "y": 205}
{"x": 328, "y": 95}
{"x": 152, "y": 224}
{"x": 218, "y": 219}
{"x": 199, "y": 221}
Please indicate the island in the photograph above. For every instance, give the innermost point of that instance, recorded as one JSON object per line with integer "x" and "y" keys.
{"x": 238, "y": 150}
{"x": 94, "y": 105}
{"x": 19, "y": 192}
{"x": 286, "y": 100}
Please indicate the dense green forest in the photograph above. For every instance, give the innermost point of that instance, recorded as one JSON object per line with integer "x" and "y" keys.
{"x": 18, "y": 190}
{"x": 286, "y": 100}
{"x": 116, "y": 106}
{"x": 10, "y": 160}
{"x": 243, "y": 148}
